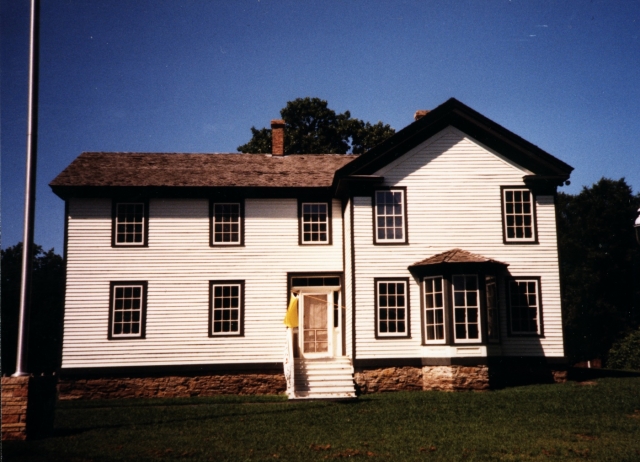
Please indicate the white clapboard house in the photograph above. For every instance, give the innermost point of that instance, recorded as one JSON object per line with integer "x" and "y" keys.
{"x": 430, "y": 261}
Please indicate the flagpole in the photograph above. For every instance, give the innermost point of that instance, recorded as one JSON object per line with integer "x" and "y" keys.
{"x": 29, "y": 193}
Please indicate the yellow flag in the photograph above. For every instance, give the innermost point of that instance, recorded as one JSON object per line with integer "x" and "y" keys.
{"x": 291, "y": 319}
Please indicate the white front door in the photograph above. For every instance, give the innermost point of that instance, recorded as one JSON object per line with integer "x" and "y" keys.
{"x": 317, "y": 328}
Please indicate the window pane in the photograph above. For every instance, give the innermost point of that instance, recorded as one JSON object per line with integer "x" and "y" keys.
{"x": 391, "y": 306}
{"x": 315, "y": 222}
{"x": 389, "y": 210}
{"x": 518, "y": 215}
{"x": 226, "y": 223}
{"x": 127, "y": 310}
{"x": 129, "y": 223}
{"x": 226, "y": 307}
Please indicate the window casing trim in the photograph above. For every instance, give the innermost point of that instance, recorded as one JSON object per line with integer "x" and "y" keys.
{"x": 407, "y": 307}
{"x": 143, "y": 310}
{"x": 212, "y": 233}
{"x": 534, "y": 218}
{"x": 329, "y": 204}
{"x": 405, "y": 220}
{"x": 240, "y": 332}
{"x": 540, "y": 323}
{"x": 114, "y": 223}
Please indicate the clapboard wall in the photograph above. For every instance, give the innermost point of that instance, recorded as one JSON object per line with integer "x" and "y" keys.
{"x": 178, "y": 265}
{"x": 453, "y": 201}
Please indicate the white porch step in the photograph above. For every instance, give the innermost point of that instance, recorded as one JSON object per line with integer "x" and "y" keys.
{"x": 330, "y": 378}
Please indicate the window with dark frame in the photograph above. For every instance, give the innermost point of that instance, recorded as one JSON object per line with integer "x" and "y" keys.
{"x": 315, "y": 222}
{"x": 466, "y": 308}
{"x": 226, "y": 309}
{"x": 392, "y": 308}
{"x": 518, "y": 215}
{"x": 434, "y": 300}
{"x": 226, "y": 223}
{"x": 493, "y": 325}
{"x": 390, "y": 216}
{"x": 127, "y": 310}
{"x": 524, "y": 306}
{"x": 129, "y": 223}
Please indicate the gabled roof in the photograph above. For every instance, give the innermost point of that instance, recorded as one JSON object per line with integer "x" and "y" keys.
{"x": 109, "y": 170}
{"x": 474, "y": 124}
{"x": 456, "y": 256}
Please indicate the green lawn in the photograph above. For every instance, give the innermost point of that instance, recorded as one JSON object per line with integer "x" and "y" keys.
{"x": 597, "y": 420}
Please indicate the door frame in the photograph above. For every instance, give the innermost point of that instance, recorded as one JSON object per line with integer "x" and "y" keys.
{"x": 335, "y": 324}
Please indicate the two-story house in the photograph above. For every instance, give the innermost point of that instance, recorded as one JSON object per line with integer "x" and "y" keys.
{"x": 429, "y": 262}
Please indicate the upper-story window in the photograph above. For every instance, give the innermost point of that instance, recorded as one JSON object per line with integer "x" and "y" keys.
{"x": 226, "y": 223}
{"x": 524, "y": 306}
{"x": 390, "y": 217}
{"x": 518, "y": 217}
{"x": 315, "y": 223}
{"x": 130, "y": 224}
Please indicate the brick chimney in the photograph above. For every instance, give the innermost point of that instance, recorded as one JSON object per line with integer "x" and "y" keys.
{"x": 420, "y": 114}
{"x": 277, "y": 137}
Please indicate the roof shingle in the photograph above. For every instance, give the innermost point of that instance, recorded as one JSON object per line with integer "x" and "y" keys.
{"x": 99, "y": 169}
{"x": 456, "y": 256}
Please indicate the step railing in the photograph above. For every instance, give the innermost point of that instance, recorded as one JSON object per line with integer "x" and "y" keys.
{"x": 290, "y": 364}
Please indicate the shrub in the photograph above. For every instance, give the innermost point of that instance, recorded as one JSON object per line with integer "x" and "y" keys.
{"x": 625, "y": 353}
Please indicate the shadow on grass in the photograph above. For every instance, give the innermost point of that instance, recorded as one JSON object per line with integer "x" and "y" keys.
{"x": 286, "y": 408}
{"x": 580, "y": 374}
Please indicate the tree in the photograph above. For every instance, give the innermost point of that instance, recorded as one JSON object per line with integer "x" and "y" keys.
{"x": 47, "y": 300}
{"x": 311, "y": 127}
{"x": 599, "y": 267}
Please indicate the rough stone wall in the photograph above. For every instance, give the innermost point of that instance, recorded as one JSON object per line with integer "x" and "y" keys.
{"x": 455, "y": 378}
{"x": 172, "y": 386}
{"x": 15, "y": 392}
{"x": 388, "y": 379}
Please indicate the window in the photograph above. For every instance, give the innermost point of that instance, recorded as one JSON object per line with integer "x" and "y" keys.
{"x": 126, "y": 317}
{"x": 466, "y": 309}
{"x": 392, "y": 311}
{"x": 493, "y": 326}
{"x": 518, "y": 215}
{"x": 226, "y": 223}
{"x": 434, "y": 310}
{"x": 315, "y": 223}
{"x": 226, "y": 308}
{"x": 389, "y": 217}
{"x": 524, "y": 306}
{"x": 130, "y": 224}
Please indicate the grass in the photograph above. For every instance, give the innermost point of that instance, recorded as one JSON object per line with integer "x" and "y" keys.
{"x": 597, "y": 421}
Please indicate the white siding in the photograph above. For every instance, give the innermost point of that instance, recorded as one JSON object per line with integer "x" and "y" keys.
{"x": 453, "y": 200}
{"x": 178, "y": 265}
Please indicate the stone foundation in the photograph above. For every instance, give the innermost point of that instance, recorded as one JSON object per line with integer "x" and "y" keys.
{"x": 455, "y": 378}
{"x": 28, "y": 406}
{"x": 445, "y": 378}
{"x": 266, "y": 383}
{"x": 388, "y": 379}
{"x": 15, "y": 391}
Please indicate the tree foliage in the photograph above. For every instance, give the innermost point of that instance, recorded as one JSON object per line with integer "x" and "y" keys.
{"x": 625, "y": 354}
{"x": 47, "y": 301}
{"x": 599, "y": 266}
{"x": 311, "y": 127}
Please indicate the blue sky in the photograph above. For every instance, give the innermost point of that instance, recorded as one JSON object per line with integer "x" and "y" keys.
{"x": 194, "y": 76}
